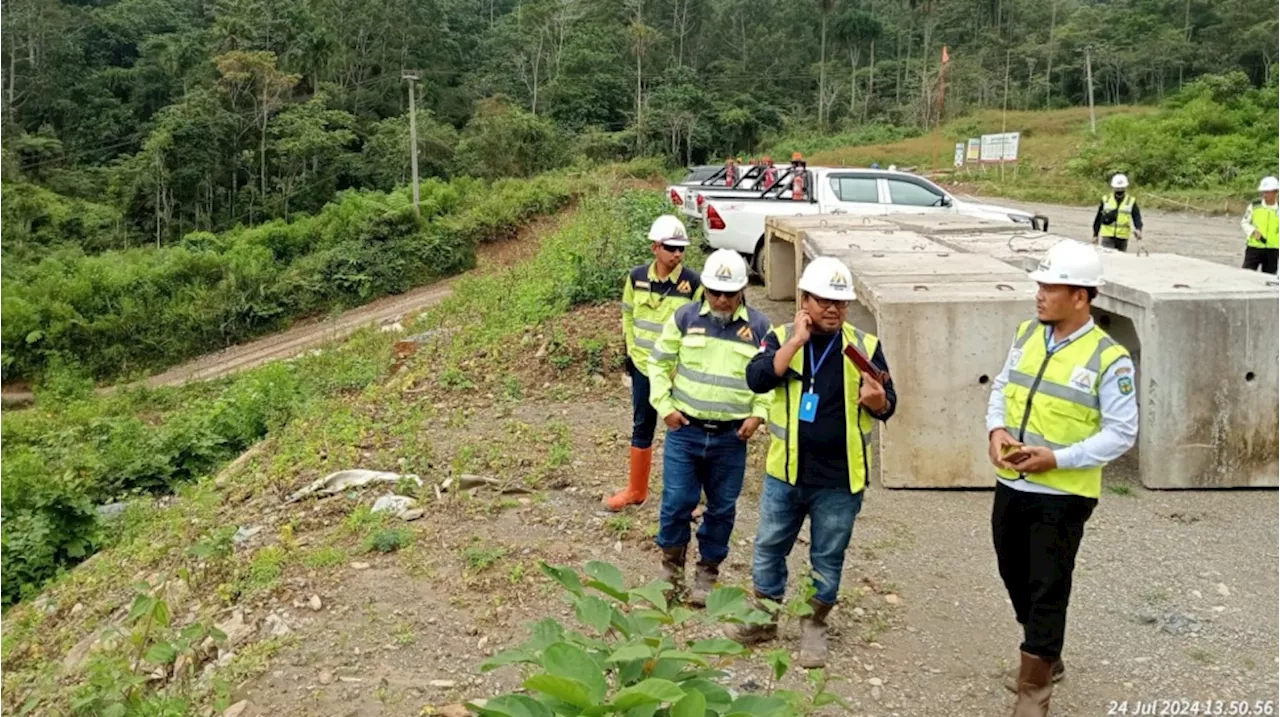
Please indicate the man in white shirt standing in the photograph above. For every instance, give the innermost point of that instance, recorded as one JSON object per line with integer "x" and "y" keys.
{"x": 1063, "y": 406}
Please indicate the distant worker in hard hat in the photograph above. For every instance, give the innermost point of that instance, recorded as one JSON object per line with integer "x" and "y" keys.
{"x": 696, "y": 375}
{"x": 1118, "y": 216}
{"x": 770, "y": 172}
{"x": 1063, "y": 406}
{"x": 730, "y": 172}
{"x": 1262, "y": 229}
{"x": 875, "y": 165}
{"x": 650, "y": 295}
{"x": 818, "y": 462}
{"x": 798, "y": 177}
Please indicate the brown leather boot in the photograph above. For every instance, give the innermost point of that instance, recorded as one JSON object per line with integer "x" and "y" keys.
{"x": 704, "y": 581}
{"x": 754, "y": 634}
{"x": 813, "y": 635}
{"x": 673, "y": 569}
{"x": 637, "y": 490}
{"x": 1035, "y": 686}
{"x": 1011, "y": 677}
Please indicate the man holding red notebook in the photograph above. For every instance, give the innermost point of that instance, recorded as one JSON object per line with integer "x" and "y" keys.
{"x": 832, "y": 380}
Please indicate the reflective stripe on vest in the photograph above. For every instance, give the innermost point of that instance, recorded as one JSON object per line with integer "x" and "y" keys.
{"x": 653, "y": 303}
{"x": 1051, "y": 400}
{"x": 1267, "y": 222}
{"x": 783, "y": 461}
{"x": 1123, "y": 225}
{"x": 710, "y": 374}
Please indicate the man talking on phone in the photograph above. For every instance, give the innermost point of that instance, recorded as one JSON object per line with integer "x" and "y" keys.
{"x": 831, "y": 379}
{"x": 1063, "y": 406}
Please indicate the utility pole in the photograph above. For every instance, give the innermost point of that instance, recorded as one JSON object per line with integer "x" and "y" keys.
{"x": 413, "y": 136}
{"x": 1088, "y": 74}
{"x": 1004, "y": 112}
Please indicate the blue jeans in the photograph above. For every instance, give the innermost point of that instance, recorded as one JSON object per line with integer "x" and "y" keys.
{"x": 783, "y": 508}
{"x": 695, "y": 461}
{"x": 644, "y": 419}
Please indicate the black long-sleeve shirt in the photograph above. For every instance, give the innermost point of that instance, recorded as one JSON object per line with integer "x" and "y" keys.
{"x": 824, "y": 458}
{"x": 1097, "y": 218}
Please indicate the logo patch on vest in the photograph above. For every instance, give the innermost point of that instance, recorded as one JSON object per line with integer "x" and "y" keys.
{"x": 642, "y": 285}
{"x": 684, "y": 287}
{"x": 745, "y": 334}
{"x": 1126, "y": 385}
{"x": 1083, "y": 379}
{"x": 1015, "y": 358}
{"x": 697, "y": 330}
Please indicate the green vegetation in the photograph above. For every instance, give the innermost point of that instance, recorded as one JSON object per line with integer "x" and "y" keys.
{"x": 124, "y": 311}
{"x": 632, "y": 656}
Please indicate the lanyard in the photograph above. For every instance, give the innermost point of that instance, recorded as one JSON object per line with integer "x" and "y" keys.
{"x": 816, "y": 364}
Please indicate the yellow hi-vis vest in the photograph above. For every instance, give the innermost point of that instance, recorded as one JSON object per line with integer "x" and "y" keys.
{"x": 1123, "y": 225}
{"x": 699, "y": 365}
{"x": 1266, "y": 221}
{"x": 647, "y": 303}
{"x": 1051, "y": 400}
{"x": 783, "y": 461}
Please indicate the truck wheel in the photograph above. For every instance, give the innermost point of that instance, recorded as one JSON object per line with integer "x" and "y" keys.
{"x": 757, "y": 260}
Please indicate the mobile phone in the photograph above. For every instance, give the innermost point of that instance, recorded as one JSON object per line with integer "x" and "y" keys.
{"x": 1009, "y": 449}
{"x": 863, "y": 363}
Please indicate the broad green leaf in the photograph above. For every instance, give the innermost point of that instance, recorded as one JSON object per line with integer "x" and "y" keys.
{"x": 509, "y": 657}
{"x": 160, "y": 613}
{"x": 567, "y": 577}
{"x": 758, "y": 706}
{"x": 565, "y": 660}
{"x": 623, "y": 623}
{"x": 682, "y": 656}
{"x": 703, "y": 674}
{"x": 627, "y": 653}
{"x": 679, "y": 615}
{"x": 564, "y": 688}
{"x": 142, "y": 605}
{"x": 645, "y": 710}
{"x": 823, "y": 699}
{"x": 717, "y": 646}
{"x": 512, "y": 706}
{"x": 117, "y": 709}
{"x": 217, "y": 635}
{"x": 665, "y": 669}
{"x": 726, "y": 601}
{"x": 651, "y": 690}
{"x": 161, "y": 653}
{"x": 717, "y": 697}
{"x": 693, "y": 704}
{"x": 780, "y": 661}
{"x": 606, "y": 573}
{"x": 593, "y": 612}
{"x": 545, "y": 632}
{"x": 653, "y": 594}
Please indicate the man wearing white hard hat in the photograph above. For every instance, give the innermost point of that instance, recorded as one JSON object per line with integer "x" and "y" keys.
{"x": 697, "y": 386}
{"x": 1063, "y": 406}
{"x": 1118, "y": 216}
{"x": 817, "y": 467}
{"x": 1262, "y": 230}
{"x": 650, "y": 296}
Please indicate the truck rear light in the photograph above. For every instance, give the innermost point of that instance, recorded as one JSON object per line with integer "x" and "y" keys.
{"x": 713, "y": 218}
{"x": 675, "y": 198}
{"x": 700, "y": 201}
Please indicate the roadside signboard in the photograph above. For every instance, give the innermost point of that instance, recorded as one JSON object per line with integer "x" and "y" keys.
{"x": 959, "y": 154}
{"x": 975, "y": 149}
{"x": 1000, "y": 147}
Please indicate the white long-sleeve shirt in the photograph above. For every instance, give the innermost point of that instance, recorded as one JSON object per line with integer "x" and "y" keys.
{"x": 1119, "y": 415}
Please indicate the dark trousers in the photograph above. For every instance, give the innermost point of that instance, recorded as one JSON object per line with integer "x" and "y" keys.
{"x": 1036, "y": 538}
{"x": 1256, "y": 258}
{"x": 1116, "y": 243}
{"x": 644, "y": 419}
{"x": 696, "y": 461}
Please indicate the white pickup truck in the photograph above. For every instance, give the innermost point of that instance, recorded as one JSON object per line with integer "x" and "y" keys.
{"x": 706, "y": 182}
{"x": 738, "y": 222}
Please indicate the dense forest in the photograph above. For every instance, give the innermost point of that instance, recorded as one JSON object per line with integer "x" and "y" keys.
{"x": 143, "y": 120}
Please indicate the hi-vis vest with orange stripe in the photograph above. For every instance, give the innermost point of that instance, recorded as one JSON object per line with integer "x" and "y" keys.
{"x": 783, "y": 462}
{"x": 1051, "y": 400}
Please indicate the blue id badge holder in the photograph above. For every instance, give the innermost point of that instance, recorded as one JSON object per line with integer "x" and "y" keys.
{"x": 808, "y": 406}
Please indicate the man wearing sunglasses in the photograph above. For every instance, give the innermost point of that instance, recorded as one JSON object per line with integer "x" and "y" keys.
{"x": 696, "y": 375}
{"x": 819, "y": 419}
{"x": 650, "y": 296}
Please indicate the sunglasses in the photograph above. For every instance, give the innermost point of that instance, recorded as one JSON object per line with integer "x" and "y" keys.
{"x": 828, "y": 303}
{"x": 718, "y": 294}
{"x": 674, "y": 249}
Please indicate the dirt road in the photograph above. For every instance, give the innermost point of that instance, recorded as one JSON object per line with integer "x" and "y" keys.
{"x": 1216, "y": 239}
{"x": 310, "y": 333}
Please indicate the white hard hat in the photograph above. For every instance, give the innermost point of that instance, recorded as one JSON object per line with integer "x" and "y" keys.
{"x": 1269, "y": 184}
{"x": 1071, "y": 263}
{"x": 725, "y": 270}
{"x": 893, "y": 168}
{"x": 829, "y": 278}
{"x": 1119, "y": 181}
{"x": 668, "y": 229}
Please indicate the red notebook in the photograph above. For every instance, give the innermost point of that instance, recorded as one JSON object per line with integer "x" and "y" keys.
{"x": 863, "y": 363}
